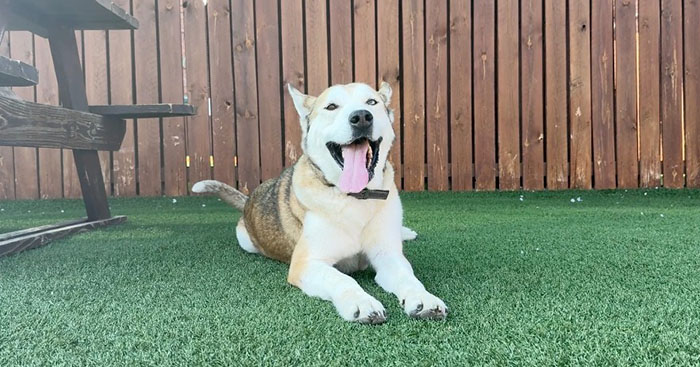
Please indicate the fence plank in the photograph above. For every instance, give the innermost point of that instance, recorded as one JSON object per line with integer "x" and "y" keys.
{"x": 580, "y": 93}
{"x": 413, "y": 95}
{"x": 124, "y": 160}
{"x": 341, "y": 42}
{"x": 556, "y": 115}
{"x": 389, "y": 66}
{"x": 671, "y": 92}
{"x": 461, "y": 94}
{"x": 649, "y": 92}
{"x": 626, "y": 94}
{"x": 97, "y": 87}
{"x": 146, "y": 82}
{"x": 484, "y": 94}
{"x": 171, "y": 81}
{"x": 509, "y": 95}
{"x": 532, "y": 85}
{"x": 316, "y": 46}
{"x": 268, "y": 52}
{"x": 7, "y": 167}
{"x": 292, "y": 73}
{"x": 50, "y": 175}
{"x": 71, "y": 182}
{"x": 198, "y": 127}
{"x": 364, "y": 42}
{"x": 692, "y": 95}
{"x": 602, "y": 103}
{"x": 248, "y": 139}
{"x": 222, "y": 98}
{"x": 436, "y": 106}
{"x": 26, "y": 180}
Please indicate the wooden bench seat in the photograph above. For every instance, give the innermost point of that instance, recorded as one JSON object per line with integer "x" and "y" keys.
{"x": 144, "y": 110}
{"x": 14, "y": 73}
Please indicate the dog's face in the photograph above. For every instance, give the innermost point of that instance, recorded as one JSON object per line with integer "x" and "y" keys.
{"x": 347, "y": 133}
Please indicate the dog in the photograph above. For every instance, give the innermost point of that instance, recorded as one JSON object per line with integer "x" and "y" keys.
{"x": 337, "y": 209}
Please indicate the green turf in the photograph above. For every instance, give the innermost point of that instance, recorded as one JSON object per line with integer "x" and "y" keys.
{"x": 613, "y": 279}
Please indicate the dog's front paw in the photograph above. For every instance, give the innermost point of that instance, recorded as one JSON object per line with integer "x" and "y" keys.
{"x": 423, "y": 305}
{"x": 360, "y": 307}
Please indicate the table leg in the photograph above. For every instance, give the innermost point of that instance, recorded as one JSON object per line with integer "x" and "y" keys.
{"x": 71, "y": 86}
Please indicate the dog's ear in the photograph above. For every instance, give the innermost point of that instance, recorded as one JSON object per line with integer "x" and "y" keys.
{"x": 302, "y": 102}
{"x": 385, "y": 92}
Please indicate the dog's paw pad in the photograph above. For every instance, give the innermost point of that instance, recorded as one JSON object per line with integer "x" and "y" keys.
{"x": 425, "y": 306}
{"x": 361, "y": 308}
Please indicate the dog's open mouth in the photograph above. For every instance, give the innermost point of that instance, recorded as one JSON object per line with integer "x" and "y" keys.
{"x": 357, "y": 160}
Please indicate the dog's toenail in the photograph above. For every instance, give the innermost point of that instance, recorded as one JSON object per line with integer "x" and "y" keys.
{"x": 420, "y": 307}
{"x": 357, "y": 313}
{"x": 403, "y": 302}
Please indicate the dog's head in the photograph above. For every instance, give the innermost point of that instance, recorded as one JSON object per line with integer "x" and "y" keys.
{"x": 347, "y": 133}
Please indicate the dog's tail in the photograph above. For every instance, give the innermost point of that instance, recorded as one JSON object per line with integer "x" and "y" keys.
{"x": 227, "y": 193}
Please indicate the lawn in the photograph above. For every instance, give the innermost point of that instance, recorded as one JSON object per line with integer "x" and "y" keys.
{"x": 530, "y": 279}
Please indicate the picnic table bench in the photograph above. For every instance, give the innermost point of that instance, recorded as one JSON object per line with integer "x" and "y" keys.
{"x": 75, "y": 125}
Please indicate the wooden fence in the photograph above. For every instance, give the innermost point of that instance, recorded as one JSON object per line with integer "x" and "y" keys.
{"x": 507, "y": 94}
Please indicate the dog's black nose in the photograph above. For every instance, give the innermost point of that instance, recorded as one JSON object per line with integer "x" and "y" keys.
{"x": 361, "y": 119}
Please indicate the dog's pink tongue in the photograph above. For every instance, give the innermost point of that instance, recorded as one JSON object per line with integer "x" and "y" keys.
{"x": 355, "y": 176}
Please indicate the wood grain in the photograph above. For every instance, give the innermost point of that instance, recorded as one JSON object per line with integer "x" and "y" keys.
{"x": 672, "y": 93}
{"x": 413, "y": 95}
{"x": 602, "y": 94}
{"x": 461, "y": 94}
{"x": 580, "y": 94}
{"x": 292, "y": 73}
{"x": 341, "y": 42}
{"x": 509, "y": 95}
{"x": 7, "y": 167}
{"x": 626, "y": 95}
{"x": 484, "y": 69}
{"x": 532, "y": 82}
{"x": 691, "y": 13}
{"x": 436, "y": 106}
{"x": 14, "y": 73}
{"x": 365, "y": 47}
{"x": 649, "y": 94}
{"x": 316, "y": 26}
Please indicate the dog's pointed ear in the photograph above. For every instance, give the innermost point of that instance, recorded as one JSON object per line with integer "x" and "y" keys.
{"x": 302, "y": 102}
{"x": 385, "y": 92}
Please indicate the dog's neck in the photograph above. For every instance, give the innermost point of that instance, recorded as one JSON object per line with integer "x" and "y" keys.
{"x": 362, "y": 195}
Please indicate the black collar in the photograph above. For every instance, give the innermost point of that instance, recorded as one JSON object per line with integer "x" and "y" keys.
{"x": 362, "y": 195}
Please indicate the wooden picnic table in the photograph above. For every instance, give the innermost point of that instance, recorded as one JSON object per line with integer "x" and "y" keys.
{"x": 75, "y": 125}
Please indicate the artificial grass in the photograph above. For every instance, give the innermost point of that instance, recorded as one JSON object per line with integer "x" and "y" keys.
{"x": 612, "y": 279}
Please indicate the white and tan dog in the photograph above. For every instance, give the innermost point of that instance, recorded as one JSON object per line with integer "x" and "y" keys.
{"x": 337, "y": 209}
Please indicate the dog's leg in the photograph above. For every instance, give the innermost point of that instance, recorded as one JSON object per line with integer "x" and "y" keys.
{"x": 317, "y": 277}
{"x": 395, "y": 275}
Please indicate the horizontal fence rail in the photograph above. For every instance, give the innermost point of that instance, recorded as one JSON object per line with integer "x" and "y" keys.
{"x": 507, "y": 94}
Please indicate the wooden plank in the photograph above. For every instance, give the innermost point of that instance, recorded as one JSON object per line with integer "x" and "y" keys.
{"x": 413, "y": 95}
{"x": 626, "y": 94}
{"x": 38, "y": 238}
{"x": 247, "y": 123}
{"x": 7, "y": 167}
{"x": 532, "y": 36}
{"x": 269, "y": 93}
{"x": 364, "y": 41}
{"x": 389, "y": 68}
{"x": 602, "y": 94}
{"x": 35, "y": 230}
{"x": 649, "y": 94}
{"x": 671, "y": 92}
{"x": 436, "y": 106}
{"x": 50, "y": 172}
{"x": 72, "y": 94}
{"x": 149, "y": 174}
{"x": 29, "y": 124}
{"x": 509, "y": 94}
{"x": 580, "y": 94}
{"x": 14, "y": 73}
{"x": 171, "y": 82}
{"x": 292, "y": 32}
{"x": 692, "y": 94}
{"x": 97, "y": 87}
{"x": 317, "y": 46}
{"x": 484, "y": 64}
{"x": 222, "y": 99}
{"x": 144, "y": 111}
{"x": 35, "y": 15}
{"x": 121, "y": 92}
{"x": 26, "y": 179}
{"x": 71, "y": 182}
{"x": 341, "y": 42}
{"x": 556, "y": 115}
{"x": 198, "y": 127}
{"x": 461, "y": 94}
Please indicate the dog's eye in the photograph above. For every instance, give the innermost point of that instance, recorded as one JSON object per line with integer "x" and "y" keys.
{"x": 371, "y": 101}
{"x": 331, "y": 106}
